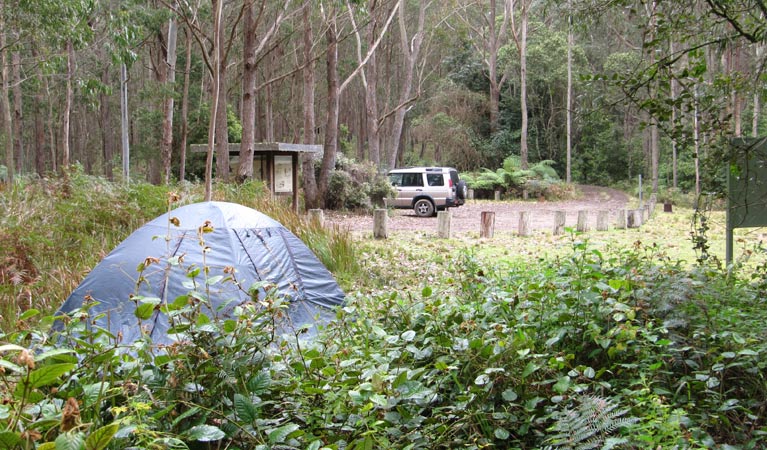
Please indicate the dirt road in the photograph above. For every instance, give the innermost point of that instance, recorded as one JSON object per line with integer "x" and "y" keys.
{"x": 466, "y": 219}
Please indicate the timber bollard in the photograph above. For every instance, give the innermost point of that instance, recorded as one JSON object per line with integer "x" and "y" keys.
{"x": 602, "y": 220}
{"x": 634, "y": 218}
{"x": 317, "y": 216}
{"x": 443, "y": 224}
{"x": 524, "y": 223}
{"x": 380, "y": 224}
{"x": 620, "y": 222}
{"x": 559, "y": 222}
{"x": 497, "y": 196}
{"x": 583, "y": 221}
{"x": 487, "y": 224}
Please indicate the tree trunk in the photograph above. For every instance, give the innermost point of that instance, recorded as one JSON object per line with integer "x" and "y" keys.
{"x": 569, "y": 107}
{"x": 67, "y": 111}
{"x": 39, "y": 127}
{"x": 107, "y": 140}
{"x": 185, "y": 108}
{"x": 331, "y": 120}
{"x": 370, "y": 83}
{"x": 523, "y": 86}
{"x": 217, "y": 6}
{"x": 21, "y": 157}
{"x": 411, "y": 49}
{"x": 124, "y": 125}
{"x": 245, "y": 169}
{"x": 5, "y": 104}
{"x": 307, "y": 164}
{"x": 222, "y": 126}
{"x": 169, "y": 68}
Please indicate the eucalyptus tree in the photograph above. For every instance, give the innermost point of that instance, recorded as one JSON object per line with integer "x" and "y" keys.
{"x": 488, "y": 33}
{"x": 258, "y": 20}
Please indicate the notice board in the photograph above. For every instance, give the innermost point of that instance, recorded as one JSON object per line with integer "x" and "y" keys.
{"x": 746, "y": 187}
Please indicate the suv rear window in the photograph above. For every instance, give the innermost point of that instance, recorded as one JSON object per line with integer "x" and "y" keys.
{"x": 434, "y": 179}
{"x": 412, "y": 179}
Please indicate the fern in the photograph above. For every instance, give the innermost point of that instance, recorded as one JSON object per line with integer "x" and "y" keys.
{"x": 589, "y": 425}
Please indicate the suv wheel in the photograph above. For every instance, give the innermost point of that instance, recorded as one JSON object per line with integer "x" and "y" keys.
{"x": 461, "y": 190}
{"x": 424, "y": 208}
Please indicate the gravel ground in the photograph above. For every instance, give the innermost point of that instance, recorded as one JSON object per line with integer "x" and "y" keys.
{"x": 466, "y": 219}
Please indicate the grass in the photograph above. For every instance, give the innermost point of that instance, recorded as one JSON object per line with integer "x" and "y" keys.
{"x": 410, "y": 260}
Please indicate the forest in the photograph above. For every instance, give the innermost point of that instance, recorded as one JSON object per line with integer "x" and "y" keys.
{"x": 584, "y": 339}
{"x": 603, "y": 91}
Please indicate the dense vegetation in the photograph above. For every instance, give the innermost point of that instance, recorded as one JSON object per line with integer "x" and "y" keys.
{"x": 587, "y": 347}
{"x": 600, "y": 91}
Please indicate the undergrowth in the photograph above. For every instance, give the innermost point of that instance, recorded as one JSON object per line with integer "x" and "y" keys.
{"x": 594, "y": 348}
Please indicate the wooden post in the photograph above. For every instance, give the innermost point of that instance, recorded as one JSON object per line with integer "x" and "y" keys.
{"x": 470, "y": 194}
{"x": 524, "y": 223}
{"x": 583, "y": 221}
{"x": 487, "y": 225}
{"x": 652, "y": 202}
{"x": 497, "y": 196}
{"x": 602, "y": 220}
{"x": 380, "y": 224}
{"x": 559, "y": 222}
{"x": 646, "y": 213}
{"x": 634, "y": 218}
{"x": 316, "y": 216}
{"x": 443, "y": 224}
{"x": 620, "y": 223}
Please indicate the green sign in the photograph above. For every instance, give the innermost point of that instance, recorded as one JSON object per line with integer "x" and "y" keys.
{"x": 746, "y": 187}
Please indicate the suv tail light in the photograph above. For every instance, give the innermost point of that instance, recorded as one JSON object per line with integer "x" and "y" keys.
{"x": 450, "y": 182}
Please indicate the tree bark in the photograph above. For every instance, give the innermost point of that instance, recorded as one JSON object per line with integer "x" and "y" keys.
{"x": 66, "y": 112}
{"x": 39, "y": 126}
{"x": 307, "y": 159}
{"x": 331, "y": 119}
{"x": 249, "y": 74}
{"x": 411, "y": 49}
{"x": 569, "y": 107}
{"x": 5, "y": 103}
{"x": 217, "y": 7}
{"x": 185, "y": 108}
{"x": 107, "y": 136}
{"x": 18, "y": 116}
{"x": 169, "y": 68}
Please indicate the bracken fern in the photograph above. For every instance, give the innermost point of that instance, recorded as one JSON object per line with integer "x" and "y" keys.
{"x": 589, "y": 425}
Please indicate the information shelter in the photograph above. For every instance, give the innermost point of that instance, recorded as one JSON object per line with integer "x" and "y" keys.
{"x": 276, "y": 163}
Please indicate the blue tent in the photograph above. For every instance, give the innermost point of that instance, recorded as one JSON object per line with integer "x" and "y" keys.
{"x": 240, "y": 244}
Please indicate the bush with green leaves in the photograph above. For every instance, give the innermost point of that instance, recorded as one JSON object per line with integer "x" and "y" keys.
{"x": 540, "y": 180}
{"x": 356, "y": 186}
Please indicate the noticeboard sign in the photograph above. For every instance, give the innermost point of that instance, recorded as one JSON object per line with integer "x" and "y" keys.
{"x": 283, "y": 174}
{"x": 746, "y": 187}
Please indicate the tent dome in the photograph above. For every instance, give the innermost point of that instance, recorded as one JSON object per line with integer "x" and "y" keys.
{"x": 165, "y": 259}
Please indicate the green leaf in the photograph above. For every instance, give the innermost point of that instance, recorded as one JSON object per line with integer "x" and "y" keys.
{"x": 529, "y": 369}
{"x": 144, "y": 311}
{"x": 245, "y": 409}
{"x": 10, "y": 366}
{"x": 9, "y": 439}
{"x": 259, "y": 383}
{"x": 70, "y": 441}
{"x": 509, "y": 395}
{"x": 501, "y": 433}
{"x": 100, "y": 438}
{"x": 280, "y": 434}
{"x": 48, "y": 374}
{"x": 205, "y": 433}
{"x": 55, "y": 352}
{"x": 426, "y": 292}
{"x": 11, "y": 348}
{"x": 29, "y": 313}
{"x": 562, "y": 384}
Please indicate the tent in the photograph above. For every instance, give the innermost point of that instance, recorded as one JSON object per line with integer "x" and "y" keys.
{"x": 243, "y": 251}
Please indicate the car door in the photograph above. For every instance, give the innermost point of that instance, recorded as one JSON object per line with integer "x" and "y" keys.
{"x": 411, "y": 185}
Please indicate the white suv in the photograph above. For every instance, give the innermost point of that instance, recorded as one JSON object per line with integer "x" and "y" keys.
{"x": 427, "y": 189}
